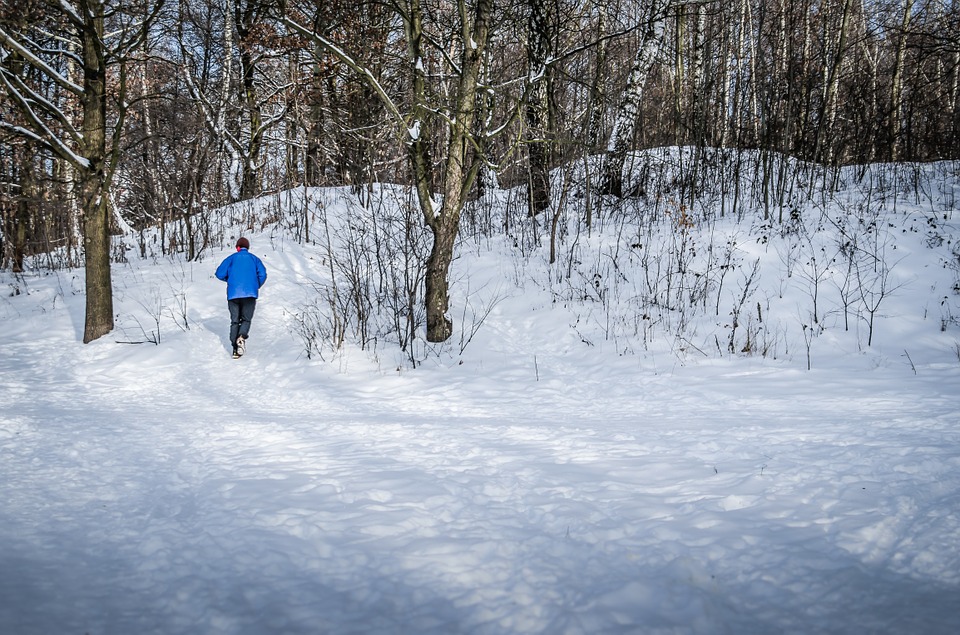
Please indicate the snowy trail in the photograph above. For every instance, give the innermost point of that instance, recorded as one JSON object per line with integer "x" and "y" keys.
{"x": 292, "y": 516}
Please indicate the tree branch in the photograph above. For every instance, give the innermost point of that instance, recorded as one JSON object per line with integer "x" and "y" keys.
{"x": 8, "y": 40}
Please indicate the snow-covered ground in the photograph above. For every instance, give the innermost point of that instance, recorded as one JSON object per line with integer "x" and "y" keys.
{"x": 552, "y": 477}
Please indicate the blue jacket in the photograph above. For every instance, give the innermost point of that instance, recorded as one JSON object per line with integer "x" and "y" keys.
{"x": 244, "y": 274}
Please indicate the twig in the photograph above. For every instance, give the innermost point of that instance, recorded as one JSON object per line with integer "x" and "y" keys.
{"x": 914, "y": 368}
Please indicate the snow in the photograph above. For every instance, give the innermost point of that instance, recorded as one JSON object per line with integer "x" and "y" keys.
{"x": 530, "y": 483}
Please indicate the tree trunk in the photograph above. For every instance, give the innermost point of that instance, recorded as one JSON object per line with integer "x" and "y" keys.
{"x": 93, "y": 183}
{"x": 250, "y": 184}
{"x": 896, "y": 84}
{"x": 621, "y": 138}
{"x": 314, "y": 153}
{"x": 424, "y": 120}
{"x": 458, "y": 175}
{"x": 246, "y": 18}
{"x": 597, "y": 92}
{"x": 538, "y": 112}
{"x": 824, "y": 152}
{"x": 680, "y": 33}
{"x": 21, "y": 213}
{"x": 419, "y": 142}
{"x": 436, "y": 289}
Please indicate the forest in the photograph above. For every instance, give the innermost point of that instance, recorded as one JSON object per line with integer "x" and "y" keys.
{"x": 125, "y": 117}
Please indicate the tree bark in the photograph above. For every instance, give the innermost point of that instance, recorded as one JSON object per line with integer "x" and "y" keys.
{"x": 457, "y": 172}
{"x": 597, "y": 92}
{"x": 93, "y": 179}
{"x": 628, "y": 115}
{"x": 538, "y": 111}
{"x": 246, "y": 17}
{"x": 21, "y": 212}
{"x": 314, "y": 153}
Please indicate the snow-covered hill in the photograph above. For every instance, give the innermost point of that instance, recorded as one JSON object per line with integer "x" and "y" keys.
{"x": 600, "y": 448}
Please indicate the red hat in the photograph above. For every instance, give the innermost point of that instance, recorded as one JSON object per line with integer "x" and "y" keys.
{"x": 243, "y": 243}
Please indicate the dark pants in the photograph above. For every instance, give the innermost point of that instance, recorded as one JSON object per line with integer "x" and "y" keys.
{"x": 241, "y": 314}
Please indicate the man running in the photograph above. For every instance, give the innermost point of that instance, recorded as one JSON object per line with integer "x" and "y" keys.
{"x": 244, "y": 274}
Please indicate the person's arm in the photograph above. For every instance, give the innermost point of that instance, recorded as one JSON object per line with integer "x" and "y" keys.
{"x": 261, "y": 273}
{"x": 223, "y": 270}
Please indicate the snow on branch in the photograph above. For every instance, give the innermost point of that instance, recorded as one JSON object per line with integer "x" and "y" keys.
{"x": 414, "y": 131}
{"x": 210, "y": 113}
{"x": 29, "y": 98}
{"x": 47, "y": 140}
{"x": 41, "y": 133}
{"x": 272, "y": 121}
{"x": 71, "y": 12}
{"x": 7, "y": 40}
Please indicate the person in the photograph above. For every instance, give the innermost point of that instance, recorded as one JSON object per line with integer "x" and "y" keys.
{"x": 244, "y": 274}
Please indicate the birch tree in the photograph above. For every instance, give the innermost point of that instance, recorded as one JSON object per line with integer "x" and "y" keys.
{"x": 628, "y": 114}
{"x": 55, "y": 39}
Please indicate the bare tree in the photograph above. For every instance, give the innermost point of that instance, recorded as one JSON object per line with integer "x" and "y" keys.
{"x": 454, "y": 122}
{"x": 247, "y": 101}
{"x": 81, "y": 136}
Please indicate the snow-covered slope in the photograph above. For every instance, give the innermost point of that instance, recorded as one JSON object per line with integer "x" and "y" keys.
{"x": 586, "y": 458}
